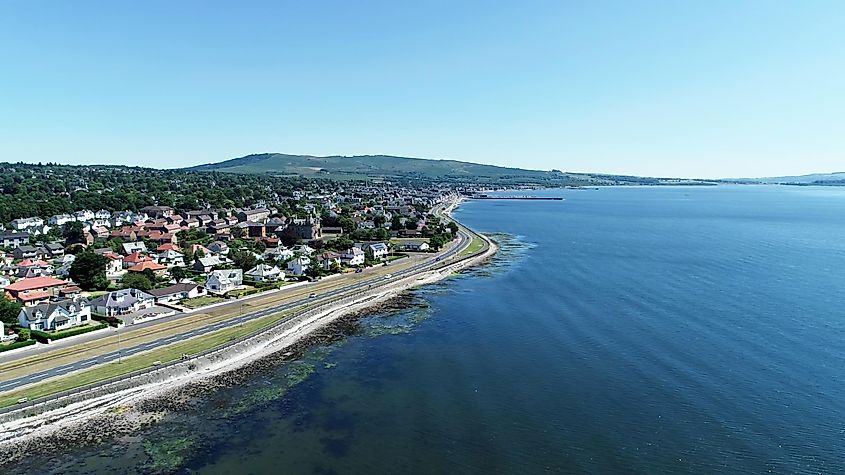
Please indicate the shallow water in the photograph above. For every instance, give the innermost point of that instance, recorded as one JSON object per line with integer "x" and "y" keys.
{"x": 624, "y": 329}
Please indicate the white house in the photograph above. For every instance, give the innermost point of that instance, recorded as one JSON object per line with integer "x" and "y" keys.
{"x": 265, "y": 273}
{"x": 352, "y": 257}
{"x": 60, "y": 219}
{"x": 84, "y": 215}
{"x": 303, "y": 249}
{"x": 27, "y": 224}
{"x": 219, "y": 247}
{"x": 121, "y": 302}
{"x": 205, "y": 264}
{"x": 378, "y": 250}
{"x": 329, "y": 260}
{"x": 298, "y": 265}
{"x": 133, "y": 247}
{"x": 224, "y": 280}
{"x": 416, "y": 246}
{"x": 171, "y": 257}
{"x": 57, "y": 315}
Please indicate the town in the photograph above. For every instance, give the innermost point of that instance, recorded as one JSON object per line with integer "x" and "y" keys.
{"x": 67, "y": 274}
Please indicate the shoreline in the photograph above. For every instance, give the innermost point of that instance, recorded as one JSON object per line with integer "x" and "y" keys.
{"x": 113, "y": 411}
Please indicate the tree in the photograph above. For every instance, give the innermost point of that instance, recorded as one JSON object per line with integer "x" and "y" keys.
{"x": 178, "y": 273}
{"x": 89, "y": 271}
{"x": 396, "y": 223}
{"x": 136, "y": 280}
{"x": 243, "y": 259}
{"x": 9, "y": 311}
{"x": 24, "y": 334}
{"x": 73, "y": 233}
{"x": 453, "y": 227}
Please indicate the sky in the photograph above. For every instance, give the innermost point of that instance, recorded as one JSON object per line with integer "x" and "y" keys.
{"x": 660, "y": 88}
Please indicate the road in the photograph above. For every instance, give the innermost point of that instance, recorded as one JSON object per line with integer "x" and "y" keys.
{"x": 83, "y": 363}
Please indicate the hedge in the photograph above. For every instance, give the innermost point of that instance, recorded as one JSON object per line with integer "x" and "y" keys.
{"x": 15, "y": 345}
{"x": 112, "y": 321}
{"x": 43, "y": 337}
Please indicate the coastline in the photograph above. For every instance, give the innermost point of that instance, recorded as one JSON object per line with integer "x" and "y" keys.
{"x": 110, "y": 411}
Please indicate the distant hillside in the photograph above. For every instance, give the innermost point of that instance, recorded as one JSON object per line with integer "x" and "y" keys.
{"x": 812, "y": 179}
{"x": 390, "y": 167}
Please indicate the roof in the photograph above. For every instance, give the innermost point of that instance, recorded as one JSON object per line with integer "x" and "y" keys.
{"x": 153, "y": 266}
{"x": 34, "y": 283}
{"x": 49, "y": 307}
{"x": 129, "y": 298}
{"x": 173, "y": 289}
{"x": 137, "y": 257}
{"x": 168, "y": 247}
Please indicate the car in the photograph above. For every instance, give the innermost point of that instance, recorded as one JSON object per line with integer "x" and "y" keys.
{"x": 388, "y": 276}
{"x": 312, "y": 295}
{"x": 359, "y": 270}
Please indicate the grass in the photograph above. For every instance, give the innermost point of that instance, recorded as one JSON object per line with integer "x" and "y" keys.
{"x": 237, "y": 293}
{"x": 476, "y": 245}
{"x": 197, "y": 302}
{"x": 166, "y": 354}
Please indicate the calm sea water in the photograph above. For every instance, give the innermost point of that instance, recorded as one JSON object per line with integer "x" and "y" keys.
{"x": 652, "y": 330}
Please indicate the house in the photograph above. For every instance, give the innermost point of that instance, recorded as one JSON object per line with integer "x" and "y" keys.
{"x": 4, "y": 281}
{"x": 376, "y": 250}
{"x": 176, "y": 292}
{"x": 55, "y": 249}
{"x": 121, "y": 302}
{"x": 27, "y": 224}
{"x": 135, "y": 258}
{"x": 219, "y": 247}
{"x": 259, "y": 215}
{"x": 25, "y": 252}
{"x": 158, "y": 211}
{"x": 13, "y": 239}
{"x": 304, "y": 249}
{"x": 57, "y": 315}
{"x": 158, "y": 269}
{"x": 206, "y": 264}
{"x": 304, "y": 228}
{"x": 265, "y": 273}
{"x": 221, "y": 281}
{"x": 133, "y": 247}
{"x": 353, "y": 256}
{"x": 168, "y": 254}
{"x": 114, "y": 266}
{"x": 415, "y": 246}
{"x": 60, "y": 219}
{"x": 34, "y": 290}
{"x": 329, "y": 260}
{"x": 298, "y": 265}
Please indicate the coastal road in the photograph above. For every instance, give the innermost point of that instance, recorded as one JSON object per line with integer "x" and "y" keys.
{"x": 439, "y": 261}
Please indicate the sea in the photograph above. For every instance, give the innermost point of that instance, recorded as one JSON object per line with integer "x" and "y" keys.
{"x": 619, "y": 330}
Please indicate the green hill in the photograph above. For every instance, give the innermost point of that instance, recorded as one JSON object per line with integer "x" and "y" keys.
{"x": 371, "y": 166}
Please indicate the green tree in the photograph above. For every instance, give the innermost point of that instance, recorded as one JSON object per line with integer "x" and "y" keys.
{"x": 178, "y": 273}
{"x": 9, "y": 311}
{"x": 24, "y": 334}
{"x": 73, "y": 233}
{"x": 137, "y": 280}
{"x": 453, "y": 227}
{"x": 89, "y": 271}
{"x": 243, "y": 259}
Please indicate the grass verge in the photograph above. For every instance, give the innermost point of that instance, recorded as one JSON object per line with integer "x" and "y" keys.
{"x": 197, "y": 302}
{"x": 476, "y": 245}
{"x": 130, "y": 364}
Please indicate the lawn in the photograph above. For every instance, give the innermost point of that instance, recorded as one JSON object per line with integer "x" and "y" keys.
{"x": 476, "y": 245}
{"x": 138, "y": 362}
{"x": 238, "y": 292}
{"x": 197, "y": 302}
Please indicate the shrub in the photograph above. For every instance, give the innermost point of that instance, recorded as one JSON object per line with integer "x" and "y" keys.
{"x": 112, "y": 321}
{"x": 15, "y": 345}
{"x": 45, "y": 337}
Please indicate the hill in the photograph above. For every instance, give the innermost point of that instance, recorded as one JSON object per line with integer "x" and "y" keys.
{"x": 391, "y": 167}
{"x": 835, "y": 178}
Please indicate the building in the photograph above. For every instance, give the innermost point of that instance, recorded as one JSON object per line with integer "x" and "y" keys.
{"x": 415, "y": 246}
{"x": 265, "y": 273}
{"x": 133, "y": 247}
{"x": 206, "y": 264}
{"x": 376, "y": 250}
{"x": 13, "y": 239}
{"x": 259, "y": 215}
{"x": 28, "y": 224}
{"x": 306, "y": 229}
{"x": 177, "y": 292}
{"x": 121, "y": 302}
{"x": 221, "y": 281}
{"x": 156, "y": 212}
{"x": 155, "y": 267}
{"x": 353, "y": 256}
{"x": 57, "y": 315}
{"x": 329, "y": 260}
{"x": 35, "y": 290}
{"x": 298, "y": 265}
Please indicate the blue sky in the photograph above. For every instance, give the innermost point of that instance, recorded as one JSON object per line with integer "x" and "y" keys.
{"x": 709, "y": 89}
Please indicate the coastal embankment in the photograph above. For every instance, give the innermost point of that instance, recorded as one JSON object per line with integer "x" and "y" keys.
{"x": 94, "y": 413}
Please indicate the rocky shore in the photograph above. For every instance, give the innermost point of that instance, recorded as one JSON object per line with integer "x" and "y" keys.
{"x": 126, "y": 419}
